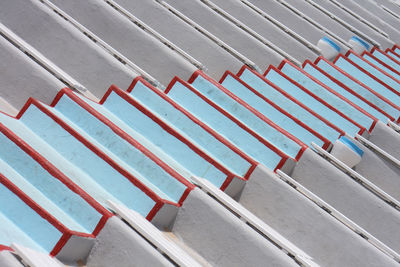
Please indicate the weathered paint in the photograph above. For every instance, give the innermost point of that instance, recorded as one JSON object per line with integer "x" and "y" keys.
{"x": 374, "y": 71}
{"x": 200, "y": 134}
{"x": 266, "y": 129}
{"x": 237, "y": 134}
{"x": 270, "y": 91}
{"x": 275, "y": 77}
{"x": 310, "y": 69}
{"x": 270, "y": 110}
{"x": 361, "y": 87}
{"x": 19, "y": 223}
{"x": 349, "y": 109}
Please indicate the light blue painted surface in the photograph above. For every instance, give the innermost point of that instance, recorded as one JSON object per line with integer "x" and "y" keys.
{"x": 358, "y": 88}
{"x": 352, "y": 145}
{"x": 312, "y": 103}
{"x": 387, "y": 60}
{"x": 190, "y": 129}
{"x": 23, "y": 225}
{"x": 327, "y": 96}
{"x": 89, "y": 171}
{"x": 325, "y": 80}
{"x": 144, "y": 168}
{"x": 382, "y": 67}
{"x": 248, "y": 118}
{"x": 10, "y": 233}
{"x": 271, "y": 112}
{"x": 224, "y": 126}
{"x": 369, "y": 81}
{"x": 386, "y": 79}
{"x": 171, "y": 145}
{"x": 282, "y": 101}
{"x": 82, "y": 217}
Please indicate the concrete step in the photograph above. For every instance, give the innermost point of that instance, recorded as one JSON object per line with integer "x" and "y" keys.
{"x": 249, "y": 116}
{"x": 227, "y": 125}
{"x": 361, "y": 86}
{"x": 23, "y": 78}
{"x": 81, "y": 58}
{"x": 269, "y": 91}
{"x": 227, "y": 32}
{"x": 283, "y": 119}
{"x": 193, "y": 129}
{"x": 345, "y": 91}
{"x": 328, "y": 95}
{"x": 299, "y": 92}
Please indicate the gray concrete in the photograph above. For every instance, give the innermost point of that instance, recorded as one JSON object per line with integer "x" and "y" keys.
{"x": 266, "y": 29}
{"x": 221, "y": 238}
{"x": 244, "y": 43}
{"x": 138, "y": 46}
{"x": 307, "y": 226}
{"x": 349, "y": 197}
{"x": 386, "y": 138}
{"x": 119, "y": 245}
{"x": 212, "y": 56}
{"x": 23, "y": 78}
{"x": 76, "y": 250}
{"x": 8, "y": 260}
{"x": 65, "y": 46}
{"x": 296, "y": 23}
{"x": 380, "y": 171}
{"x": 355, "y": 23}
{"x": 322, "y": 19}
{"x": 385, "y": 23}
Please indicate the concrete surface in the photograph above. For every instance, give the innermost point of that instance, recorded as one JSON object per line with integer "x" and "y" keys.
{"x": 348, "y": 197}
{"x": 221, "y": 238}
{"x": 23, "y": 78}
{"x": 118, "y": 244}
{"x": 8, "y": 260}
{"x": 328, "y": 241}
{"x": 387, "y": 139}
{"x": 64, "y": 45}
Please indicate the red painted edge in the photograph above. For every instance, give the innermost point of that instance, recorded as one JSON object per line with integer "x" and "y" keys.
{"x": 359, "y": 82}
{"x": 2, "y": 247}
{"x": 345, "y": 87}
{"x": 60, "y": 244}
{"x": 198, "y": 122}
{"x": 124, "y": 95}
{"x": 296, "y": 120}
{"x": 375, "y": 120}
{"x": 291, "y": 98}
{"x": 362, "y": 129}
{"x": 227, "y": 114}
{"x": 392, "y": 52}
{"x": 302, "y": 145}
{"x": 57, "y": 174}
{"x": 377, "y": 68}
{"x": 130, "y": 140}
{"x": 389, "y": 57}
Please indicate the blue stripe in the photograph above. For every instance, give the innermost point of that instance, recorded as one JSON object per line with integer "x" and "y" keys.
{"x": 350, "y": 144}
{"x": 332, "y": 43}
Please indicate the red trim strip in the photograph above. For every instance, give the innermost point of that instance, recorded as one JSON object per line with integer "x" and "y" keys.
{"x": 291, "y": 98}
{"x": 198, "y": 122}
{"x": 287, "y": 114}
{"x": 129, "y": 139}
{"x": 362, "y": 129}
{"x": 375, "y": 120}
{"x": 347, "y": 88}
{"x": 2, "y": 247}
{"x": 226, "y": 114}
{"x": 392, "y": 52}
{"x": 169, "y": 129}
{"x": 254, "y": 111}
{"x": 357, "y": 81}
{"x": 154, "y": 210}
{"x": 60, "y": 244}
